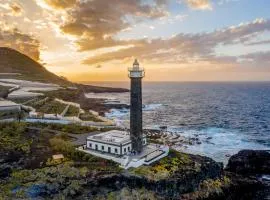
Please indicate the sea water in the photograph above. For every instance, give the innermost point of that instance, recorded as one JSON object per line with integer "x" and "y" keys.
{"x": 226, "y": 117}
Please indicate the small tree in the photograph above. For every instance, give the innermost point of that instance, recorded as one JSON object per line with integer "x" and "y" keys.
{"x": 20, "y": 115}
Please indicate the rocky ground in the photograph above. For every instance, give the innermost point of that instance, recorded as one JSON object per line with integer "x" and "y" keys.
{"x": 27, "y": 170}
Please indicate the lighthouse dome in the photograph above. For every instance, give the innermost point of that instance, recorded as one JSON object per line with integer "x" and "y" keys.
{"x": 136, "y": 63}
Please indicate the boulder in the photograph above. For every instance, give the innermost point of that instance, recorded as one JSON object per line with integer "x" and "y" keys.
{"x": 250, "y": 162}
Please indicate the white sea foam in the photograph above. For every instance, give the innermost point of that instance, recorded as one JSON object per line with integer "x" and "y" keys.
{"x": 117, "y": 113}
{"x": 151, "y": 107}
{"x": 124, "y": 112}
{"x": 217, "y": 143}
{"x": 121, "y": 116}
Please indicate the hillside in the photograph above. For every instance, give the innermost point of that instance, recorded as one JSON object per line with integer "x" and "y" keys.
{"x": 12, "y": 61}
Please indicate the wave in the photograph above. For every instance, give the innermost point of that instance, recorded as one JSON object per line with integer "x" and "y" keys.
{"x": 217, "y": 143}
{"x": 124, "y": 112}
{"x": 151, "y": 107}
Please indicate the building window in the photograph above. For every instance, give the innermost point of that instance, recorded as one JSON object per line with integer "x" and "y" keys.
{"x": 90, "y": 145}
{"x": 128, "y": 148}
{"x": 109, "y": 149}
{"x": 115, "y": 150}
{"x": 96, "y": 146}
{"x": 125, "y": 150}
{"x": 102, "y": 147}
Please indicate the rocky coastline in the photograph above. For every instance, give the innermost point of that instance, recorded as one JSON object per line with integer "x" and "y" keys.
{"x": 209, "y": 181}
{"x": 81, "y": 176}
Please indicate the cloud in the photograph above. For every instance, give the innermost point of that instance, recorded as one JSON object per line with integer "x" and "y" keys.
{"x": 198, "y": 4}
{"x": 263, "y": 42}
{"x": 13, "y": 9}
{"x": 57, "y": 4}
{"x": 13, "y": 38}
{"x": 162, "y": 2}
{"x": 260, "y": 58}
{"x": 187, "y": 48}
{"x": 16, "y": 9}
{"x": 95, "y": 23}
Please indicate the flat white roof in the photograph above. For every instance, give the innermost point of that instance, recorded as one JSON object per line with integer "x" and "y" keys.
{"x": 113, "y": 136}
{"x": 5, "y": 103}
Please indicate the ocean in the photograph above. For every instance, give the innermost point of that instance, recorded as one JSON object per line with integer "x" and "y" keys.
{"x": 226, "y": 117}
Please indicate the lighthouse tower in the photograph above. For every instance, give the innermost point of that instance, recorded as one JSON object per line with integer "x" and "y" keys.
{"x": 128, "y": 149}
{"x": 136, "y": 134}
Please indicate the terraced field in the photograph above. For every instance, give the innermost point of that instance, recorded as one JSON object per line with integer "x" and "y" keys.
{"x": 52, "y": 107}
{"x": 8, "y": 114}
{"x": 47, "y": 105}
{"x": 89, "y": 117}
{"x": 73, "y": 111}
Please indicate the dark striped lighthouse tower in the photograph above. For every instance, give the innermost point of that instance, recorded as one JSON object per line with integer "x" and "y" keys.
{"x": 136, "y": 74}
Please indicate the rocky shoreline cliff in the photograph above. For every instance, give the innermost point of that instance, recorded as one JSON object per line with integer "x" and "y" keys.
{"x": 82, "y": 176}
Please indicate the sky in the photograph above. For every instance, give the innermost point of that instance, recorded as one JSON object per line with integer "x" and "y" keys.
{"x": 174, "y": 40}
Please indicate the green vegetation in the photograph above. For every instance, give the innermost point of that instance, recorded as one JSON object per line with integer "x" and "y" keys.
{"x": 65, "y": 180}
{"x": 87, "y": 116}
{"x": 215, "y": 184}
{"x": 4, "y": 91}
{"x": 72, "y": 111}
{"x": 48, "y": 105}
{"x": 165, "y": 167}
{"x": 30, "y": 101}
{"x": 8, "y": 114}
{"x": 12, "y": 114}
{"x": 128, "y": 194}
{"x": 37, "y": 102}
{"x": 51, "y": 107}
{"x": 68, "y": 128}
{"x": 210, "y": 187}
{"x": 78, "y": 96}
{"x": 13, "y": 138}
{"x": 81, "y": 158}
{"x": 62, "y": 94}
{"x": 47, "y": 178}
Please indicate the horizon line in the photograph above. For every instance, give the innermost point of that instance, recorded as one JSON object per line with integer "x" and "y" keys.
{"x": 240, "y": 81}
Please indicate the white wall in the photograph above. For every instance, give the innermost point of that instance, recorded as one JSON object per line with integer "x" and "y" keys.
{"x": 106, "y": 147}
{"x": 126, "y": 146}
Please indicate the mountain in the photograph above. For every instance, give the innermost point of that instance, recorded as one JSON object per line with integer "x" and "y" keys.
{"x": 12, "y": 61}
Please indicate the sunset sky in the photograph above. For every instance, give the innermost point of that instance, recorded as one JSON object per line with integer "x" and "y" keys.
{"x": 174, "y": 40}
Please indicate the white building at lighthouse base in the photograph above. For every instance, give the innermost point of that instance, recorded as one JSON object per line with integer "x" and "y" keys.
{"x": 116, "y": 145}
{"x": 113, "y": 142}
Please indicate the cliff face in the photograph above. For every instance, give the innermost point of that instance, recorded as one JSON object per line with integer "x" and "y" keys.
{"x": 179, "y": 182}
{"x": 244, "y": 174}
{"x": 250, "y": 162}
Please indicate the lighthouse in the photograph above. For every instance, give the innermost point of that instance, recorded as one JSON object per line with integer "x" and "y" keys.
{"x": 136, "y": 74}
{"x": 129, "y": 149}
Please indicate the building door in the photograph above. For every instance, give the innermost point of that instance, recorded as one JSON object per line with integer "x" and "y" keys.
{"x": 96, "y": 147}
{"x": 109, "y": 149}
